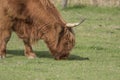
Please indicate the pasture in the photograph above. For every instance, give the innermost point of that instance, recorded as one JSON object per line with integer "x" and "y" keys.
{"x": 96, "y": 55}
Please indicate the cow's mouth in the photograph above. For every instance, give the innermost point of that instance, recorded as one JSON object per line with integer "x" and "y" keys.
{"x": 61, "y": 56}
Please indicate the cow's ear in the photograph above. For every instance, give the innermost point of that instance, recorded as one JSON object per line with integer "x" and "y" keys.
{"x": 58, "y": 28}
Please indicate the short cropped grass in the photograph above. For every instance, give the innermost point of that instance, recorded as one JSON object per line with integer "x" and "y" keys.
{"x": 96, "y": 55}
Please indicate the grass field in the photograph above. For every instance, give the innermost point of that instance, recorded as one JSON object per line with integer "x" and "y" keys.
{"x": 96, "y": 55}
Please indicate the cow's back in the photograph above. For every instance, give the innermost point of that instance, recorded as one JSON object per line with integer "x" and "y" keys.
{"x": 12, "y": 7}
{"x": 41, "y": 11}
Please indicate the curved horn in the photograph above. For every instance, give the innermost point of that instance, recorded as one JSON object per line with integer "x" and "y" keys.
{"x": 75, "y": 24}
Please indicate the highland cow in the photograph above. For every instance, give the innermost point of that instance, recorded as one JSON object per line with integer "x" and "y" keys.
{"x": 33, "y": 20}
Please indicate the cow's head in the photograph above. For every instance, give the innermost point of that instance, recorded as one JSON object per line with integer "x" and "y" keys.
{"x": 61, "y": 40}
{"x": 66, "y": 42}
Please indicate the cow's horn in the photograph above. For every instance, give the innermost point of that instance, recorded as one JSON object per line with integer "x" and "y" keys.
{"x": 75, "y": 24}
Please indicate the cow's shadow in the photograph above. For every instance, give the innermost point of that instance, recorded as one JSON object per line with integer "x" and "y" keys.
{"x": 43, "y": 54}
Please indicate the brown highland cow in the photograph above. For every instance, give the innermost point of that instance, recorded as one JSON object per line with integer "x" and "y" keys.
{"x": 32, "y": 20}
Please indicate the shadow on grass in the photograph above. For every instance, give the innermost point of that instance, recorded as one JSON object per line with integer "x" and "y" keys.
{"x": 75, "y": 7}
{"x": 75, "y": 57}
{"x": 43, "y": 54}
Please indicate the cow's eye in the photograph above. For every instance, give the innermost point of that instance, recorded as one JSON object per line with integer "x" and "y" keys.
{"x": 66, "y": 44}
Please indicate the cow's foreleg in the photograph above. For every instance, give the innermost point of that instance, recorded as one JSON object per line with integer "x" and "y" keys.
{"x": 4, "y": 38}
{"x": 28, "y": 50}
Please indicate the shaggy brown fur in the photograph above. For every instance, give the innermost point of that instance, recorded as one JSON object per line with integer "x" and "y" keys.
{"x": 33, "y": 20}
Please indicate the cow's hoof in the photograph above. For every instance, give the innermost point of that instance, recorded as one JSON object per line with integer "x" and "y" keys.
{"x": 2, "y": 56}
{"x": 31, "y": 56}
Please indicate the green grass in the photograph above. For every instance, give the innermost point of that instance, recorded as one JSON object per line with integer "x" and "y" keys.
{"x": 96, "y": 55}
